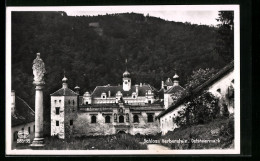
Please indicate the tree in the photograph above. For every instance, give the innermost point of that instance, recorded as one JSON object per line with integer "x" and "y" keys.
{"x": 225, "y": 36}
{"x": 198, "y": 77}
{"x": 198, "y": 110}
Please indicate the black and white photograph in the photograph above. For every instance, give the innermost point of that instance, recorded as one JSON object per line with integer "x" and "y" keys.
{"x": 119, "y": 80}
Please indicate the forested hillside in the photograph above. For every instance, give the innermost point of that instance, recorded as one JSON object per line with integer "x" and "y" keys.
{"x": 92, "y": 50}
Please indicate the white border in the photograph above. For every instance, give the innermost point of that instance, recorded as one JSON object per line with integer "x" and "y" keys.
{"x": 8, "y": 141}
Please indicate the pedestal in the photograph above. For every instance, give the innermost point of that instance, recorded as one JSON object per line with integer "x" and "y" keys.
{"x": 38, "y": 139}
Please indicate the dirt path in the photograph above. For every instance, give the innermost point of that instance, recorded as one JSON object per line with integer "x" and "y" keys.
{"x": 157, "y": 147}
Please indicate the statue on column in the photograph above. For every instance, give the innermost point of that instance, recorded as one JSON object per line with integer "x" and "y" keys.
{"x": 38, "y": 69}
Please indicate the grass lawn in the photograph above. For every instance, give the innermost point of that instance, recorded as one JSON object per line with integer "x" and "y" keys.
{"x": 221, "y": 129}
{"x": 110, "y": 142}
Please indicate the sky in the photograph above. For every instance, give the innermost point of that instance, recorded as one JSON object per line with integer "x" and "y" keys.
{"x": 194, "y": 15}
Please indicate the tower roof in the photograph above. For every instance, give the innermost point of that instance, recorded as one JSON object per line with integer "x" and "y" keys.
{"x": 168, "y": 82}
{"x": 64, "y": 92}
{"x": 23, "y": 113}
{"x": 126, "y": 74}
{"x": 175, "y": 76}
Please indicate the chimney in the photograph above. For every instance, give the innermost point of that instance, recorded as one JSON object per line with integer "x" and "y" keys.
{"x": 136, "y": 89}
{"x": 141, "y": 84}
{"x": 109, "y": 93}
{"x": 77, "y": 89}
{"x": 12, "y": 101}
{"x": 162, "y": 84}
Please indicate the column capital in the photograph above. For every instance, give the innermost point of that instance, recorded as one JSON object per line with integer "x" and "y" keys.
{"x": 39, "y": 83}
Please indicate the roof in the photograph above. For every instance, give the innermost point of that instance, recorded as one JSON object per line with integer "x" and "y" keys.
{"x": 212, "y": 80}
{"x": 64, "y": 92}
{"x": 23, "y": 113}
{"x": 114, "y": 89}
{"x": 168, "y": 82}
{"x": 174, "y": 89}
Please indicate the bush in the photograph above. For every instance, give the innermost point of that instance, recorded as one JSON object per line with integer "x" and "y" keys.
{"x": 109, "y": 142}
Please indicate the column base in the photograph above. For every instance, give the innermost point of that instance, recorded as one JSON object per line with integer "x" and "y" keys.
{"x": 37, "y": 143}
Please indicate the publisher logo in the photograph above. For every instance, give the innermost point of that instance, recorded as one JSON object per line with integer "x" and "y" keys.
{"x": 23, "y": 137}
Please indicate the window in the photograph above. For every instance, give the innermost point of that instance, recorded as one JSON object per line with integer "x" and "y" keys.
{"x": 127, "y": 117}
{"x": 150, "y": 118}
{"x": 71, "y": 122}
{"x": 219, "y": 90}
{"x": 22, "y": 129}
{"x": 55, "y": 101}
{"x": 29, "y": 129}
{"x": 86, "y": 102}
{"x": 57, "y": 123}
{"x": 60, "y": 101}
{"x": 121, "y": 119}
{"x": 69, "y": 101}
{"x": 134, "y": 96}
{"x": 136, "y": 119}
{"x": 33, "y": 128}
{"x": 57, "y": 110}
{"x": 128, "y": 80}
{"x": 149, "y": 102}
{"x": 115, "y": 117}
{"x": 104, "y": 97}
{"x": 125, "y": 82}
{"x": 93, "y": 119}
{"x": 107, "y": 119}
{"x": 73, "y": 102}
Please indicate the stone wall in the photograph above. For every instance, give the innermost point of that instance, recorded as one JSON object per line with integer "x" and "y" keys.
{"x": 57, "y": 130}
{"x": 221, "y": 89}
{"x": 167, "y": 121}
{"x": 71, "y": 109}
{"x": 18, "y": 128}
{"x": 83, "y": 125}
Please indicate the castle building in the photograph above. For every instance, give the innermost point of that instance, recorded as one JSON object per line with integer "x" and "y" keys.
{"x": 23, "y": 118}
{"x": 131, "y": 94}
{"x": 64, "y": 105}
{"x": 107, "y": 110}
{"x": 170, "y": 91}
{"x": 221, "y": 85}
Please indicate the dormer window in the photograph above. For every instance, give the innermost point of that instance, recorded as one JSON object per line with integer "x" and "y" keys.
{"x": 134, "y": 95}
{"x": 219, "y": 90}
{"x": 103, "y": 95}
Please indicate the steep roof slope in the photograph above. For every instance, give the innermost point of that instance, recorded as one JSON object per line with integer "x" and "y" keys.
{"x": 114, "y": 89}
{"x": 23, "y": 113}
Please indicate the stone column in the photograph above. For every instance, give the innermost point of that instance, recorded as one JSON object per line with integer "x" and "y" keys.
{"x": 38, "y": 71}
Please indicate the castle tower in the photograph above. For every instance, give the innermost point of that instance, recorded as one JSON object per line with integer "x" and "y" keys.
{"x": 64, "y": 104}
{"x": 126, "y": 79}
{"x": 175, "y": 80}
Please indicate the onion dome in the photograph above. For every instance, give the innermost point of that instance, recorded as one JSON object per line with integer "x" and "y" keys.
{"x": 64, "y": 79}
{"x": 87, "y": 94}
{"x": 77, "y": 88}
{"x": 126, "y": 74}
{"x": 175, "y": 76}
